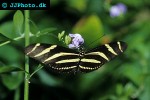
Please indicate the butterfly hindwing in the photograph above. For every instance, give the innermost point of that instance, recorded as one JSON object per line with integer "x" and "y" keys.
{"x": 98, "y": 56}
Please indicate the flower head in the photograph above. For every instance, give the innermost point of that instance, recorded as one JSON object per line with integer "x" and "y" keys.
{"x": 118, "y": 10}
{"x": 77, "y": 40}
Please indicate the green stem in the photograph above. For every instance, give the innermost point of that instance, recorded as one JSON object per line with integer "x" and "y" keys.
{"x": 6, "y": 42}
{"x": 17, "y": 94}
{"x": 27, "y": 31}
{"x": 38, "y": 68}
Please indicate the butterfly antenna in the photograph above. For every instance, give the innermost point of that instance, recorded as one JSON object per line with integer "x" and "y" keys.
{"x": 95, "y": 40}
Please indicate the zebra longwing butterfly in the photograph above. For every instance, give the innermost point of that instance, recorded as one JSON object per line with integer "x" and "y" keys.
{"x": 61, "y": 59}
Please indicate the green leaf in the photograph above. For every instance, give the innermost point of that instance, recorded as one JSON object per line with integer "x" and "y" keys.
{"x": 18, "y": 20}
{"x": 67, "y": 39}
{"x": 12, "y": 81}
{"x": 10, "y": 55}
{"x": 17, "y": 94}
{"x": 130, "y": 89}
{"x": 90, "y": 27}
{"x": 3, "y": 37}
{"x": 7, "y": 30}
{"x": 119, "y": 89}
{"x": 9, "y": 69}
{"x": 45, "y": 31}
{"x": 60, "y": 35}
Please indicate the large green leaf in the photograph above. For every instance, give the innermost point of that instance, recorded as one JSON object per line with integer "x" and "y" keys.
{"x": 9, "y": 69}
{"x": 11, "y": 55}
{"x": 91, "y": 29}
{"x": 45, "y": 31}
{"x": 18, "y": 20}
{"x": 3, "y": 38}
{"x": 12, "y": 81}
{"x": 7, "y": 30}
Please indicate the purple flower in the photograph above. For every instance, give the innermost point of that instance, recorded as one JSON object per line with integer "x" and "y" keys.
{"x": 77, "y": 40}
{"x": 118, "y": 10}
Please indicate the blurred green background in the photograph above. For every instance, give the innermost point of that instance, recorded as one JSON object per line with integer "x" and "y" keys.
{"x": 125, "y": 78}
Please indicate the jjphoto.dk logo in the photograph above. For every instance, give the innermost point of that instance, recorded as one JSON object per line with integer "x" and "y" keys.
{"x": 4, "y": 5}
{"x": 25, "y": 5}
{"x": 17, "y": 4}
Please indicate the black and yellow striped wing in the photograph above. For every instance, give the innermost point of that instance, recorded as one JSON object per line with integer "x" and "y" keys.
{"x": 58, "y": 58}
{"x": 98, "y": 56}
{"x": 61, "y": 59}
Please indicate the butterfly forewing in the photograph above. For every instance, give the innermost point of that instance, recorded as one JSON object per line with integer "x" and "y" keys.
{"x": 62, "y": 59}
{"x": 98, "y": 56}
{"x": 58, "y": 58}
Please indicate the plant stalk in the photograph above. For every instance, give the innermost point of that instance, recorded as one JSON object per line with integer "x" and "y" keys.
{"x": 27, "y": 31}
{"x": 6, "y": 42}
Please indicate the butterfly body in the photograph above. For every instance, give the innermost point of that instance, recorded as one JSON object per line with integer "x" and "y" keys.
{"x": 61, "y": 59}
